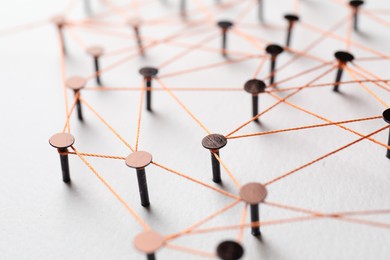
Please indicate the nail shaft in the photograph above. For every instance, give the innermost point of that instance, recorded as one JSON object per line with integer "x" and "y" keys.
{"x": 78, "y": 106}
{"x": 255, "y": 219}
{"x": 97, "y": 68}
{"x": 289, "y": 33}
{"x": 388, "y": 150}
{"x": 62, "y": 39}
{"x": 261, "y": 10}
{"x": 149, "y": 94}
{"x": 224, "y": 44}
{"x": 87, "y": 7}
{"x": 355, "y": 20}
{"x": 143, "y": 187}
{"x": 255, "y": 105}
{"x": 151, "y": 256}
{"x": 64, "y": 165}
{"x": 273, "y": 66}
{"x": 183, "y": 8}
{"x": 139, "y": 40}
{"x": 216, "y": 167}
{"x": 339, "y": 75}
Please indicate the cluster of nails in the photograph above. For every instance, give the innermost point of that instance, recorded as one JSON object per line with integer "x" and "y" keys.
{"x": 253, "y": 193}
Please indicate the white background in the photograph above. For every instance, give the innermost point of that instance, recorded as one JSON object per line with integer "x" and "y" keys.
{"x": 42, "y": 218}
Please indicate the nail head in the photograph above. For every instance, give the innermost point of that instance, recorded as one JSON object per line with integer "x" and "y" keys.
{"x": 230, "y": 250}
{"x": 76, "y": 82}
{"x": 386, "y": 115}
{"x": 149, "y": 242}
{"x": 58, "y": 20}
{"x": 291, "y": 17}
{"x": 133, "y": 22}
{"x": 95, "y": 51}
{"x": 61, "y": 140}
{"x": 356, "y": 3}
{"x": 214, "y": 142}
{"x": 254, "y": 86}
{"x": 344, "y": 56}
{"x": 225, "y": 24}
{"x": 138, "y": 159}
{"x": 253, "y": 193}
{"x": 148, "y": 71}
{"x": 274, "y": 49}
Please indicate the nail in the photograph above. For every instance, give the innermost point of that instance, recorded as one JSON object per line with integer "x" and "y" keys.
{"x": 96, "y": 52}
{"x": 355, "y": 5}
{"x": 214, "y": 143}
{"x": 225, "y": 26}
{"x": 135, "y": 24}
{"x": 261, "y": 10}
{"x": 62, "y": 141}
{"x": 87, "y": 7}
{"x": 255, "y": 87}
{"x": 148, "y": 73}
{"x": 77, "y": 83}
{"x": 139, "y": 160}
{"x": 253, "y": 194}
{"x": 183, "y": 8}
{"x": 229, "y": 250}
{"x": 274, "y": 50}
{"x": 291, "y": 20}
{"x": 60, "y": 23}
{"x": 386, "y": 117}
{"x": 343, "y": 58}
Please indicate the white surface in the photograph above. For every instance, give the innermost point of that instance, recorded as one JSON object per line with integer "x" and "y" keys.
{"x": 42, "y": 218}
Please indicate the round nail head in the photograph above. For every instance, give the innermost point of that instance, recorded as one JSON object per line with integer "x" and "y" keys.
{"x": 356, "y": 3}
{"x": 58, "y": 20}
{"x": 134, "y": 22}
{"x": 214, "y": 142}
{"x": 254, "y": 86}
{"x": 225, "y": 24}
{"x": 386, "y": 115}
{"x": 61, "y": 140}
{"x": 95, "y": 51}
{"x": 149, "y": 242}
{"x": 230, "y": 250}
{"x": 76, "y": 82}
{"x": 344, "y": 56}
{"x": 138, "y": 159}
{"x": 148, "y": 71}
{"x": 253, "y": 193}
{"x": 291, "y": 17}
{"x": 274, "y": 49}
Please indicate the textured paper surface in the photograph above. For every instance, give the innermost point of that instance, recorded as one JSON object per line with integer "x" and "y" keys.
{"x": 41, "y": 218}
